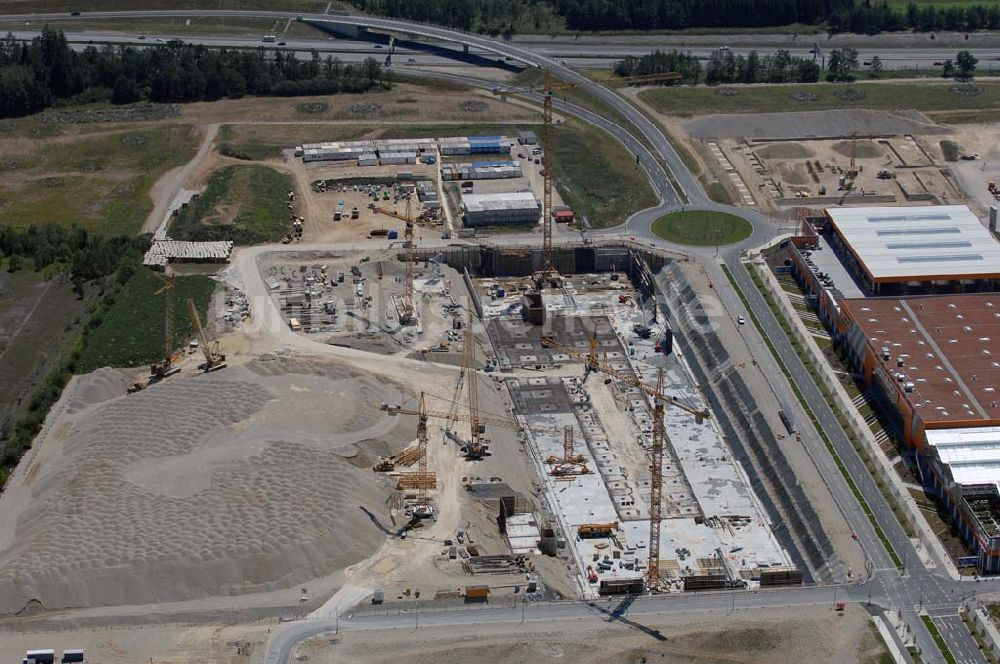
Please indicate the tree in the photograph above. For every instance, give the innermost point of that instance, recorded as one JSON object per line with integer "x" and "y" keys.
{"x": 15, "y": 263}
{"x": 966, "y": 64}
{"x": 875, "y": 69}
{"x": 948, "y": 70}
{"x": 842, "y": 64}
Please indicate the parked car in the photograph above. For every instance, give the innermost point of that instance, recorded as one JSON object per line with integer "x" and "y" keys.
{"x": 741, "y": 320}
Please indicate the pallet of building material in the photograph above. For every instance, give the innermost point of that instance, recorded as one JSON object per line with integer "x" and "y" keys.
{"x": 670, "y": 568}
{"x": 447, "y": 595}
{"x": 407, "y": 456}
{"x": 416, "y": 481}
{"x": 494, "y": 564}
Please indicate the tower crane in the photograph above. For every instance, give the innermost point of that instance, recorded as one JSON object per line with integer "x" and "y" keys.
{"x": 214, "y": 360}
{"x": 476, "y": 447}
{"x": 408, "y": 307}
{"x": 569, "y": 464}
{"x": 166, "y": 367}
{"x": 592, "y": 363}
{"x": 422, "y": 480}
{"x": 549, "y": 273}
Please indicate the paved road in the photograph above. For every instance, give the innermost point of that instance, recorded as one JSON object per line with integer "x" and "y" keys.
{"x": 283, "y": 642}
{"x": 909, "y": 593}
{"x": 593, "y": 52}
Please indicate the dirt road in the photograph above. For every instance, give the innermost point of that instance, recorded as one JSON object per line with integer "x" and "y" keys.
{"x": 166, "y": 189}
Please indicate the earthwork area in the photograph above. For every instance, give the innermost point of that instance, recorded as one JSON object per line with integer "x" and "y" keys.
{"x": 211, "y": 485}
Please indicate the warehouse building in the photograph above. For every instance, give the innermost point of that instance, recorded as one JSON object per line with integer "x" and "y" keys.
{"x": 527, "y": 138}
{"x": 501, "y": 209}
{"x": 897, "y": 250}
{"x": 934, "y": 364}
{"x": 962, "y": 467}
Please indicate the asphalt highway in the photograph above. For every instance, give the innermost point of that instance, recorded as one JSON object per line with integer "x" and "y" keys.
{"x": 909, "y": 592}
{"x": 582, "y": 53}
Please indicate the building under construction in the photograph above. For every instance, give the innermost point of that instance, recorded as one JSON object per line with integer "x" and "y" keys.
{"x": 591, "y": 437}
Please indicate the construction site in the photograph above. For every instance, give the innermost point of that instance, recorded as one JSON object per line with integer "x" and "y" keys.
{"x": 848, "y": 170}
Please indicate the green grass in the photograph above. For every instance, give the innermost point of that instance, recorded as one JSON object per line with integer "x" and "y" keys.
{"x": 101, "y": 183}
{"x": 597, "y": 176}
{"x": 702, "y": 228}
{"x": 130, "y": 331}
{"x": 866, "y": 508}
{"x": 926, "y": 96}
{"x": 246, "y": 204}
{"x": 938, "y": 640}
{"x": 951, "y": 150}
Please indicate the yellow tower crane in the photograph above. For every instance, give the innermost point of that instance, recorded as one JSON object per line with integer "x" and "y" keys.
{"x": 166, "y": 367}
{"x": 548, "y": 273}
{"x": 660, "y": 399}
{"x": 409, "y": 309}
{"x": 476, "y": 448}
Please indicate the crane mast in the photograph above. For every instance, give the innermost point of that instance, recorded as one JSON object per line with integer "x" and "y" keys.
{"x": 408, "y": 307}
{"x": 475, "y": 449}
{"x": 655, "y": 490}
{"x": 166, "y": 368}
{"x": 547, "y": 267}
{"x": 549, "y": 273}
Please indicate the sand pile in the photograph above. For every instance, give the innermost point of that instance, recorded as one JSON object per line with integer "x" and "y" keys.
{"x": 99, "y": 386}
{"x": 865, "y": 149}
{"x": 251, "y": 479}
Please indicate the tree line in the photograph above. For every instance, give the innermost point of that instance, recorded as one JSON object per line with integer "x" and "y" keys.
{"x": 108, "y": 262}
{"x": 780, "y": 67}
{"x": 44, "y": 71}
{"x": 861, "y": 16}
{"x": 723, "y": 67}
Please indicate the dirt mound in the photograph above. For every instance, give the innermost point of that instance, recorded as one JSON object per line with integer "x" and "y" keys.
{"x": 865, "y": 149}
{"x": 793, "y": 173}
{"x": 249, "y": 480}
{"x": 784, "y": 151}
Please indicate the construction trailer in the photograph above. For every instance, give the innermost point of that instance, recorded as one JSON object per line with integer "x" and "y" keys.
{"x": 506, "y": 209}
{"x": 481, "y": 170}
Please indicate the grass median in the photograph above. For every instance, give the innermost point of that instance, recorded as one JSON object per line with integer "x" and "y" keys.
{"x": 702, "y": 228}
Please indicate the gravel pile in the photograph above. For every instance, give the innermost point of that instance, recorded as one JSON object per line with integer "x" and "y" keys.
{"x": 252, "y": 479}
